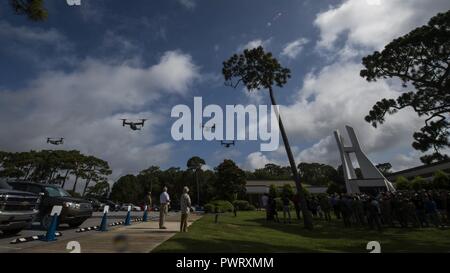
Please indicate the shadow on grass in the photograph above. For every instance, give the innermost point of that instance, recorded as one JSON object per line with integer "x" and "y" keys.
{"x": 250, "y": 232}
{"x": 190, "y": 245}
{"x": 393, "y": 239}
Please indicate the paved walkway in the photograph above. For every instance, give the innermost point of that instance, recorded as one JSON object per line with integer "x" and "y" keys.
{"x": 137, "y": 238}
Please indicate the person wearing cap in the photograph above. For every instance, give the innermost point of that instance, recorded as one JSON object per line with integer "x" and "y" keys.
{"x": 164, "y": 200}
{"x": 185, "y": 207}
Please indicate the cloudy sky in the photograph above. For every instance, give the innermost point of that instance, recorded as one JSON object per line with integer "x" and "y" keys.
{"x": 78, "y": 73}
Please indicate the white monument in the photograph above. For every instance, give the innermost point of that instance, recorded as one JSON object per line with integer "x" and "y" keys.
{"x": 373, "y": 179}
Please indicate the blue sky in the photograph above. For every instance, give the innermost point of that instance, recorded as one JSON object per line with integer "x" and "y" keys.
{"x": 87, "y": 66}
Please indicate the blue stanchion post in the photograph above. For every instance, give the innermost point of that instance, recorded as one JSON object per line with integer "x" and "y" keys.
{"x": 145, "y": 217}
{"x": 50, "y": 235}
{"x": 104, "y": 223}
{"x": 128, "y": 218}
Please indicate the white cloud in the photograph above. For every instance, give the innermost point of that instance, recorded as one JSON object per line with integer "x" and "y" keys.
{"x": 92, "y": 11}
{"x": 256, "y": 160}
{"x": 336, "y": 95}
{"x": 32, "y": 35}
{"x": 254, "y": 44}
{"x": 292, "y": 49}
{"x": 34, "y": 44}
{"x": 324, "y": 151}
{"x": 85, "y": 106}
{"x": 369, "y": 25}
{"x": 189, "y": 4}
{"x": 253, "y": 97}
{"x": 121, "y": 45}
{"x": 206, "y": 167}
{"x": 225, "y": 153}
{"x": 406, "y": 161}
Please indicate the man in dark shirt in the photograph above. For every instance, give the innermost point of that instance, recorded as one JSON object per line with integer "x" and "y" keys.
{"x": 420, "y": 210}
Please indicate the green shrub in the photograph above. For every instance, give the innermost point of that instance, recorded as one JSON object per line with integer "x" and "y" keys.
{"x": 209, "y": 207}
{"x": 418, "y": 183}
{"x": 441, "y": 181}
{"x": 305, "y": 192}
{"x": 401, "y": 183}
{"x": 334, "y": 188}
{"x": 279, "y": 204}
{"x": 273, "y": 191}
{"x": 288, "y": 190}
{"x": 243, "y": 205}
{"x": 220, "y": 205}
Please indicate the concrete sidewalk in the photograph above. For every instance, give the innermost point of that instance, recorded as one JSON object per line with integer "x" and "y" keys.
{"x": 139, "y": 237}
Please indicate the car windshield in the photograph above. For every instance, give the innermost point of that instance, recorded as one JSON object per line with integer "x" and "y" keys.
{"x": 4, "y": 185}
{"x": 56, "y": 192}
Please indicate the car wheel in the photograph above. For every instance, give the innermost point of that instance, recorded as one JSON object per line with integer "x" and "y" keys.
{"x": 10, "y": 232}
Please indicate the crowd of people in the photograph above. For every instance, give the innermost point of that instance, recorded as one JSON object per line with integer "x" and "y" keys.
{"x": 387, "y": 209}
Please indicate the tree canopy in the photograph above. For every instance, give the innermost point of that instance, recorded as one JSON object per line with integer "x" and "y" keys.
{"x": 33, "y": 9}
{"x": 318, "y": 174}
{"x": 421, "y": 60}
{"x": 256, "y": 69}
{"x": 385, "y": 168}
{"x": 195, "y": 163}
{"x": 54, "y": 167}
{"x": 271, "y": 172}
{"x": 230, "y": 181}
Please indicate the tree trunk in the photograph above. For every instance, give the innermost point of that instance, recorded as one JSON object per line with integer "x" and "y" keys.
{"x": 307, "y": 216}
{"x": 198, "y": 188}
{"x": 65, "y": 178}
{"x": 52, "y": 173}
{"x": 86, "y": 185}
{"x": 75, "y": 184}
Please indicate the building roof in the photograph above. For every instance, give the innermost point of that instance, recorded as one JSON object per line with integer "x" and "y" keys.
{"x": 423, "y": 170}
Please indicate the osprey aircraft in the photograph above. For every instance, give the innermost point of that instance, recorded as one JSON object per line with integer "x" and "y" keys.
{"x": 133, "y": 125}
{"x": 55, "y": 141}
{"x": 227, "y": 144}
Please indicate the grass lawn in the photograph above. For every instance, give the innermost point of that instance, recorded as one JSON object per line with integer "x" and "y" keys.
{"x": 249, "y": 232}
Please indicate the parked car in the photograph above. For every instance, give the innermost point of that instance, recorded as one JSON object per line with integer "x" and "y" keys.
{"x": 112, "y": 206}
{"x": 17, "y": 209}
{"x": 74, "y": 212}
{"x": 96, "y": 205}
{"x": 124, "y": 207}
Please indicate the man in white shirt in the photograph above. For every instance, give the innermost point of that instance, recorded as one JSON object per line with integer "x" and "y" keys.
{"x": 185, "y": 207}
{"x": 164, "y": 200}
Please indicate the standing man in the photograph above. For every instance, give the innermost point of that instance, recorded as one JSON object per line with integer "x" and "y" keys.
{"x": 185, "y": 206}
{"x": 296, "y": 201}
{"x": 286, "y": 208}
{"x": 326, "y": 207}
{"x": 148, "y": 201}
{"x": 265, "y": 204}
{"x": 164, "y": 200}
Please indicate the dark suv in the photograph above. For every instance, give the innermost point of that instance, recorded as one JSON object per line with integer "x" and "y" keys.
{"x": 17, "y": 209}
{"x": 75, "y": 210}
